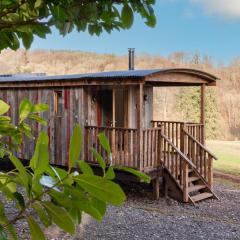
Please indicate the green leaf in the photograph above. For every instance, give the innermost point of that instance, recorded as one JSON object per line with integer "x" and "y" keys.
{"x": 40, "y": 160}
{"x": 38, "y": 119}
{"x": 5, "y": 119}
{"x": 35, "y": 230}
{"x": 4, "y": 221}
{"x": 38, "y": 3}
{"x": 85, "y": 168}
{"x": 39, "y": 108}
{"x": 138, "y": 174}
{"x": 3, "y": 235}
{"x": 101, "y": 188}
{"x": 76, "y": 215}
{"x": 104, "y": 142}
{"x": 6, "y": 181}
{"x": 23, "y": 175}
{"x": 27, "y": 39}
{"x": 99, "y": 205}
{"x": 42, "y": 214}
{"x": 75, "y": 146}
{"x": 151, "y": 22}
{"x": 127, "y": 16}
{"x": 4, "y": 107}
{"x": 24, "y": 109}
{"x": 58, "y": 13}
{"x": 60, "y": 217}
{"x": 110, "y": 175}
{"x": 20, "y": 199}
{"x": 100, "y": 159}
{"x": 78, "y": 200}
{"x": 41, "y": 30}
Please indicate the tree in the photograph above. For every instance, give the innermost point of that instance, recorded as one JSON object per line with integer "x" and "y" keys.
{"x": 23, "y": 19}
{"x": 188, "y": 105}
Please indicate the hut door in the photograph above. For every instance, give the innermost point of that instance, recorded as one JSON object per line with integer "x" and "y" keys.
{"x": 121, "y": 108}
{"x": 104, "y": 108}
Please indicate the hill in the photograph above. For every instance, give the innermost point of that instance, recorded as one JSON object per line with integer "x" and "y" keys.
{"x": 223, "y": 102}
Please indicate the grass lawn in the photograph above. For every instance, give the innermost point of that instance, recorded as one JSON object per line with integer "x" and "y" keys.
{"x": 228, "y": 153}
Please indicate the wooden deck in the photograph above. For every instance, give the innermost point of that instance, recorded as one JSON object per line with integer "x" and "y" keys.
{"x": 176, "y": 148}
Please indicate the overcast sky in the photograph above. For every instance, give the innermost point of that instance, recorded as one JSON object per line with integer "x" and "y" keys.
{"x": 208, "y": 27}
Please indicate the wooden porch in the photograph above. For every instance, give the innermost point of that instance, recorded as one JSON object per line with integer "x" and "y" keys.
{"x": 172, "y": 150}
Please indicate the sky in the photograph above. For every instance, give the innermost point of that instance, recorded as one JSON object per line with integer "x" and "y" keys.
{"x": 207, "y": 27}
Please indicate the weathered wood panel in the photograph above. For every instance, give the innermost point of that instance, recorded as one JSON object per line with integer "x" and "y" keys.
{"x": 59, "y": 128}
{"x": 147, "y": 107}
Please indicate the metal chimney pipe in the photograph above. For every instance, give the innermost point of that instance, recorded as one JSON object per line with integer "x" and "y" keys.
{"x": 131, "y": 58}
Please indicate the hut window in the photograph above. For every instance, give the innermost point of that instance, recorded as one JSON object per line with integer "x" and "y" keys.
{"x": 58, "y": 103}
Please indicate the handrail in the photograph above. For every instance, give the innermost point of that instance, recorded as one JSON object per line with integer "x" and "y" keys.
{"x": 200, "y": 144}
{"x": 187, "y": 123}
{"x": 111, "y": 128}
{"x": 193, "y": 124}
{"x": 178, "y": 151}
{"x": 186, "y": 159}
{"x": 167, "y": 121}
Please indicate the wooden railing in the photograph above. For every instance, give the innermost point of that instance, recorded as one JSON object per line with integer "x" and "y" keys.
{"x": 174, "y": 130}
{"x": 125, "y": 146}
{"x": 177, "y": 164}
{"x": 196, "y": 130}
{"x": 200, "y": 156}
{"x": 123, "y": 143}
{"x": 151, "y": 148}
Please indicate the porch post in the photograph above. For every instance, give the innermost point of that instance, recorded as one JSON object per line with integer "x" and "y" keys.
{"x": 113, "y": 124}
{"x": 202, "y": 117}
{"x": 140, "y": 125}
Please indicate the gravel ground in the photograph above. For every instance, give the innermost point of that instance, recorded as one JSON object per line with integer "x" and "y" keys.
{"x": 143, "y": 218}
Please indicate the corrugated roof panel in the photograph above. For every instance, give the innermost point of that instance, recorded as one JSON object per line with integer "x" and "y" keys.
{"x": 100, "y": 75}
{"x": 112, "y": 74}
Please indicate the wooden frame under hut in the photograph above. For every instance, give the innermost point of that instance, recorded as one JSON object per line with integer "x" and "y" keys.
{"x": 120, "y": 104}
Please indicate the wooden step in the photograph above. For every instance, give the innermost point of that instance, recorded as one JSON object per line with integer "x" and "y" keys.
{"x": 201, "y": 196}
{"x": 193, "y": 179}
{"x": 196, "y": 188}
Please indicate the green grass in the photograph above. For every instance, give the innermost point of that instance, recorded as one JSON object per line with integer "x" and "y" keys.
{"x": 228, "y": 154}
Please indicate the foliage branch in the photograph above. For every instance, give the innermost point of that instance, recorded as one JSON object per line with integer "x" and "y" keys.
{"x": 22, "y": 19}
{"x": 46, "y": 195}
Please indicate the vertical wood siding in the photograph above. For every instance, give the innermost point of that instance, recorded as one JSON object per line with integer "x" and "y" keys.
{"x": 73, "y": 112}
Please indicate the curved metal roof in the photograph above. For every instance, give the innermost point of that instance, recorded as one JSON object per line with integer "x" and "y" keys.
{"x": 107, "y": 75}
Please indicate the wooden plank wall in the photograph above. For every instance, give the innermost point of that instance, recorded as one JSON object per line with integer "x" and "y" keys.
{"x": 148, "y": 107}
{"x": 132, "y": 110}
{"x": 73, "y": 112}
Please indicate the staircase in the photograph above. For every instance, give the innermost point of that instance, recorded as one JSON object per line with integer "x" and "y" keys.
{"x": 187, "y": 169}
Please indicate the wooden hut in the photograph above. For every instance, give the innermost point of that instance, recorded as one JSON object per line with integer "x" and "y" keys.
{"x": 120, "y": 104}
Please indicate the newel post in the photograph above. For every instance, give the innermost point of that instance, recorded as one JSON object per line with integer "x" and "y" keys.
{"x": 203, "y": 106}
{"x": 182, "y": 138}
{"x": 185, "y": 182}
{"x": 210, "y": 171}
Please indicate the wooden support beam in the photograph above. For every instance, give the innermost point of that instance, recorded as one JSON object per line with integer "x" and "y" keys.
{"x": 203, "y": 105}
{"x": 156, "y": 188}
{"x": 140, "y": 125}
{"x": 185, "y": 182}
{"x": 113, "y": 123}
{"x": 210, "y": 172}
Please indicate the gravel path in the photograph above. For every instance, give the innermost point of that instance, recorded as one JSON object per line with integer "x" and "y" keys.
{"x": 143, "y": 218}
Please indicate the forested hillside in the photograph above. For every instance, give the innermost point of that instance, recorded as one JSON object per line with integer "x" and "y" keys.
{"x": 223, "y": 102}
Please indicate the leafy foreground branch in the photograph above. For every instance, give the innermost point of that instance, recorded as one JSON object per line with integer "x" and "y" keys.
{"x": 46, "y": 195}
{"x": 21, "y": 20}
